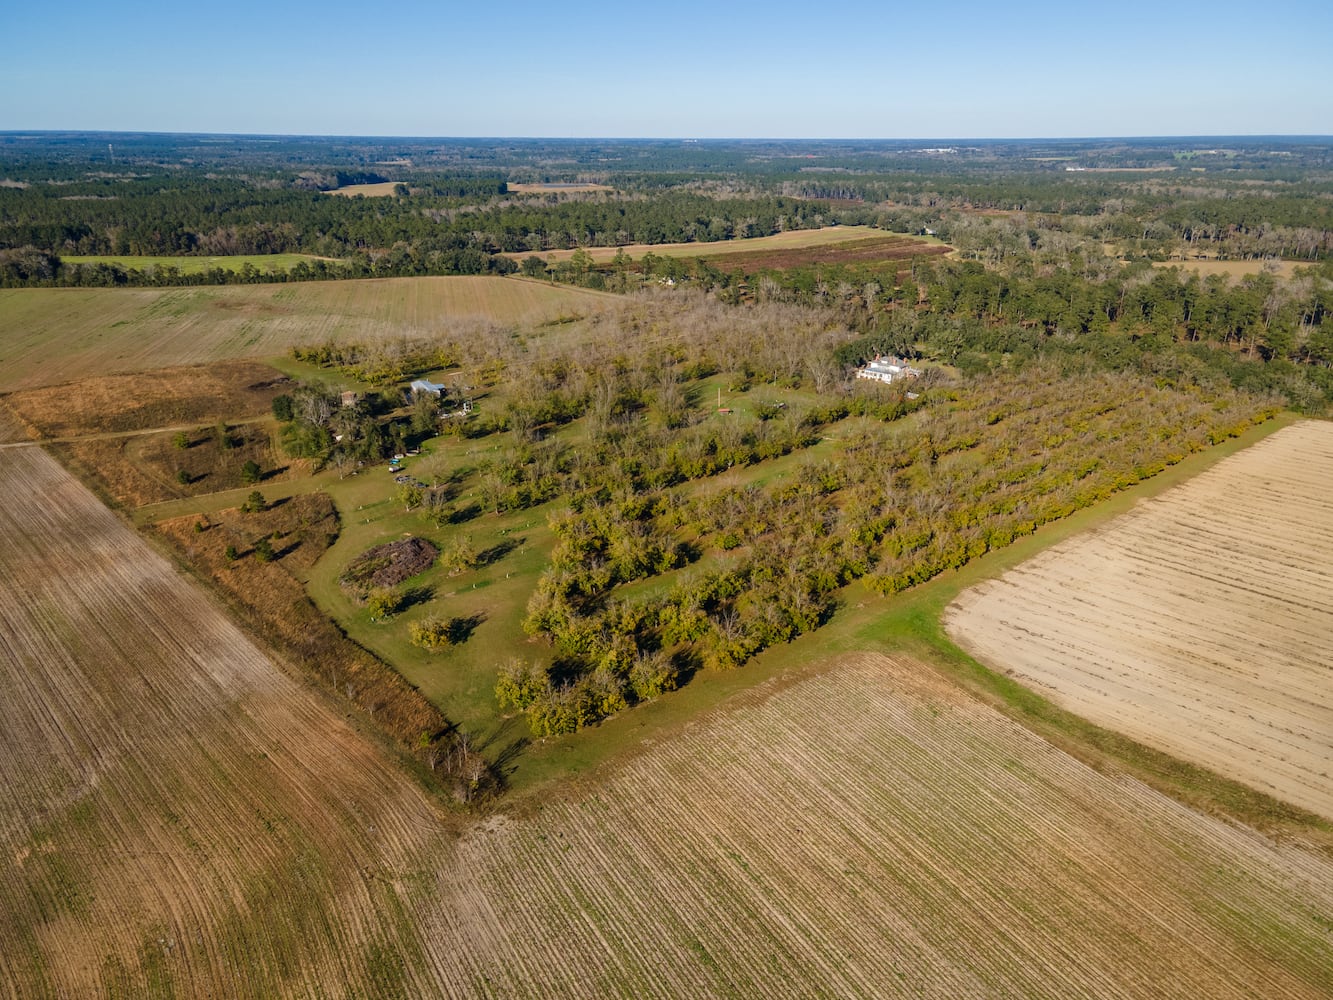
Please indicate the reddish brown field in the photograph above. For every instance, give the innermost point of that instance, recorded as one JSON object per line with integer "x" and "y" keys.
{"x": 875, "y": 250}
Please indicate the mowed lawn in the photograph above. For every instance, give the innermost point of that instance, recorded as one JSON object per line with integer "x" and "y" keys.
{"x": 54, "y": 335}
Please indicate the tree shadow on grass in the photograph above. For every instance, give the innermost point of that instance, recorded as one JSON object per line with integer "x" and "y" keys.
{"x": 412, "y": 596}
{"x": 503, "y": 749}
{"x": 497, "y": 552}
{"x": 461, "y": 629}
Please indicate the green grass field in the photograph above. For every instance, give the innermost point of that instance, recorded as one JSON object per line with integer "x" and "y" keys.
{"x": 268, "y": 263}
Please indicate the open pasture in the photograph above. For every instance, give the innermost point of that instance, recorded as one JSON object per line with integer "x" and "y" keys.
{"x": 1198, "y": 623}
{"x": 51, "y": 335}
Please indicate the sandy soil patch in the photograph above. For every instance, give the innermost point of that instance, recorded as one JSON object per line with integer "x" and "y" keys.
{"x": 1234, "y": 270}
{"x": 382, "y": 189}
{"x": 1199, "y": 623}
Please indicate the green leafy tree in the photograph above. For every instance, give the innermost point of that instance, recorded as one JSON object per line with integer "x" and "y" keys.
{"x": 433, "y": 633}
{"x": 520, "y": 683}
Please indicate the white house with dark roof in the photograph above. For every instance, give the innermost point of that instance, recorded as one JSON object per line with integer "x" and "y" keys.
{"x": 885, "y": 368}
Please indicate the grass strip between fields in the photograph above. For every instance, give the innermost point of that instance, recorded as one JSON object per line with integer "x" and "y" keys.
{"x": 913, "y": 624}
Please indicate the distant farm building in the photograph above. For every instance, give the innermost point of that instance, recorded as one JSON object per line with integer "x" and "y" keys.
{"x": 422, "y": 386}
{"x": 349, "y": 399}
{"x": 888, "y": 369}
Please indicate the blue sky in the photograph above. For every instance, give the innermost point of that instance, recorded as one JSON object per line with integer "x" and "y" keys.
{"x": 840, "y": 68}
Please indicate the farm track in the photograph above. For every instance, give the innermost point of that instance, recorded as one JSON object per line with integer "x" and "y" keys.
{"x": 1199, "y": 623}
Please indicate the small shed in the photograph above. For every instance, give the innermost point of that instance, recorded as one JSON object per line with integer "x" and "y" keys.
{"x": 424, "y": 386}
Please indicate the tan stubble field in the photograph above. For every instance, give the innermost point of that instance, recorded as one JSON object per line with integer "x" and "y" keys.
{"x": 1200, "y": 623}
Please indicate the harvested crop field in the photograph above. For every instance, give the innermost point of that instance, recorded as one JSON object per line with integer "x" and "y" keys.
{"x": 1199, "y": 623}
{"x": 792, "y": 239}
{"x": 165, "y": 398}
{"x": 53, "y": 335}
{"x": 178, "y": 817}
{"x": 882, "y": 248}
{"x": 182, "y": 818}
{"x": 869, "y": 831}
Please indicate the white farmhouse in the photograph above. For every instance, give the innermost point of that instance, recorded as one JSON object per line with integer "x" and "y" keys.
{"x": 885, "y": 368}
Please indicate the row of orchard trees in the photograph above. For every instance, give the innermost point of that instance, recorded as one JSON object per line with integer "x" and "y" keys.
{"x": 900, "y": 501}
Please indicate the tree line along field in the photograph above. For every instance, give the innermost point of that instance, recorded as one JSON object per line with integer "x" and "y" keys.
{"x": 52, "y": 335}
{"x": 265, "y": 262}
{"x": 1198, "y": 623}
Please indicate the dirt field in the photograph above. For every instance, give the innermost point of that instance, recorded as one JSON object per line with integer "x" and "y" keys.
{"x": 1234, "y": 270}
{"x": 382, "y": 189}
{"x": 52, "y": 335}
{"x": 177, "y": 817}
{"x": 919, "y": 846}
{"x": 883, "y": 248}
{"x": 557, "y": 188}
{"x": 180, "y": 818}
{"x": 793, "y": 239}
{"x": 1199, "y": 623}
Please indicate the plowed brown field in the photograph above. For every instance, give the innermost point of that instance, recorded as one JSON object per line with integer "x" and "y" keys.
{"x": 871, "y": 832}
{"x": 178, "y": 817}
{"x": 175, "y": 811}
{"x": 1200, "y": 623}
